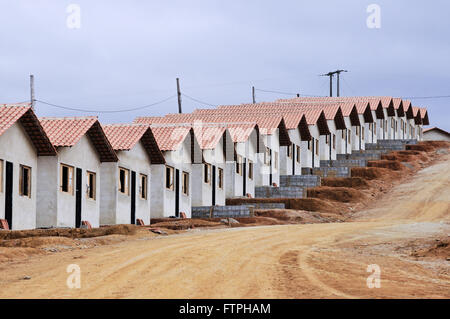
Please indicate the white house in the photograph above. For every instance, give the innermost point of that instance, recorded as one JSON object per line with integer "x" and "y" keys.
{"x": 125, "y": 185}
{"x": 229, "y": 155}
{"x": 400, "y": 114}
{"x": 22, "y": 142}
{"x": 171, "y": 183}
{"x": 367, "y": 129}
{"x": 409, "y": 114}
{"x": 291, "y": 158}
{"x": 68, "y": 185}
{"x": 425, "y": 120}
{"x": 435, "y": 134}
{"x": 273, "y": 132}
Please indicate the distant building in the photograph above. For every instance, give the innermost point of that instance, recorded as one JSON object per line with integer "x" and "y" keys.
{"x": 435, "y": 134}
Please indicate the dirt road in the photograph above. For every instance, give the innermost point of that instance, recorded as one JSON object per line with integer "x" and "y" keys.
{"x": 292, "y": 261}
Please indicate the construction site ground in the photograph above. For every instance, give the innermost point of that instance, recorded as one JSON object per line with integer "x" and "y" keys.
{"x": 394, "y": 214}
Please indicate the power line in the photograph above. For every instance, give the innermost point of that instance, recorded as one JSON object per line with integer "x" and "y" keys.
{"x": 426, "y": 97}
{"x": 107, "y": 111}
{"x": 286, "y": 93}
{"x": 197, "y": 100}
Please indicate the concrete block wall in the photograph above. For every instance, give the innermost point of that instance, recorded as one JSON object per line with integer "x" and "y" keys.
{"x": 332, "y": 171}
{"x": 344, "y": 163}
{"x": 393, "y": 146}
{"x": 222, "y": 211}
{"x": 279, "y": 192}
{"x": 267, "y": 206}
{"x": 300, "y": 180}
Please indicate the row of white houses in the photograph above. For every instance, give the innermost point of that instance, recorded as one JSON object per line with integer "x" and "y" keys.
{"x": 65, "y": 172}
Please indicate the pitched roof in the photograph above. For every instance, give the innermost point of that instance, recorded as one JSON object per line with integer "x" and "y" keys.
{"x": 123, "y": 137}
{"x": 313, "y": 116}
{"x": 385, "y": 101}
{"x": 424, "y": 115}
{"x": 239, "y": 130}
{"x": 67, "y": 131}
{"x": 170, "y": 137}
{"x": 436, "y": 129}
{"x": 417, "y": 117}
{"x": 23, "y": 113}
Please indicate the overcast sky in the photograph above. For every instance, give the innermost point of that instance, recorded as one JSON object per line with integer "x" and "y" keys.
{"x": 127, "y": 54}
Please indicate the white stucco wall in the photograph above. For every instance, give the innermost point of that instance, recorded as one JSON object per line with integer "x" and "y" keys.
{"x": 286, "y": 166}
{"x": 17, "y": 148}
{"x": 162, "y": 200}
{"x": 324, "y": 146}
{"x": 262, "y": 175}
{"x": 307, "y": 154}
{"x": 201, "y": 191}
{"x": 434, "y": 135}
{"x": 82, "y": 155}
{"x": 248, "y": 151}
{"x": 115, "y": 207}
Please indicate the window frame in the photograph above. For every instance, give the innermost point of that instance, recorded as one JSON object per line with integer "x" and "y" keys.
{"x": 126, "y": 181}
{"x": 275, "y": 162}
{"x": 1, "y": 175}
{"x": 207, "y": 173}
{"x": 250, "y": 169}
{"x": 143, "y": 187}
{"x": 21, "y": 180}
{"x": 70, "y": 174}
{"x": 90, "y": 187}
{"x": 220, "y": 178}
{"x": 169, "y": 178}
{"x": 289, "y": 151}
{"x": 238, "y": 165}
{"x": 334, "y": 141}
{"x": 185, "y": 183}
{"x": 317, "y": 147}
{"x": 298, "y": 156}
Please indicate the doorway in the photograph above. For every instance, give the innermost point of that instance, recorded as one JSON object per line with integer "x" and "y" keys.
{"x": 8, "y": 194}
{"x": 133, "y": 197}
{"x": 78, "y": 189}
{"x": 213, "y": 185}
{"x": 177, "y": 193}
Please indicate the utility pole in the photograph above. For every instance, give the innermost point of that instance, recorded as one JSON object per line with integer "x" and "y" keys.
{"x": 179, "y": 96}
{"x": 253, "y": 95}
{"x": 32, "y": 99}
{"x": 331, "y": 74}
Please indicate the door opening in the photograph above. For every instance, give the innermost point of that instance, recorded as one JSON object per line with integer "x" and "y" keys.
{"x": 177, "y": 193}
{"x": 8, "y": 194}
{"x": 133, "y": 197}
{"x": 78, "y": 198}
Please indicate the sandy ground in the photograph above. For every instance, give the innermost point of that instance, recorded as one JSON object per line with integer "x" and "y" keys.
{"x": 289, "y": 261}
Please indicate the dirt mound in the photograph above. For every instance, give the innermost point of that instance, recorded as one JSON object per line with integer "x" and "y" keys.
{"x": 70, "y": 232}
{"x": 436, "y": 144}
{"x": 406, "y": 156}
{"x": 179, "y": 224}
{"x": 354, "y": 182}
{"x": 389, "y": 164}
{"x": 308, "y": 204}
{"x": 292, "y": 216}
{"x": 420, "y": 147}
{"x": 441, "y": 249}
{"x": 37, "y": 242}
{"x": 14, "y": 253}
{"x": 370, "y": 173}
{"x": 258, "y": 221}
{"x": 339, "y": 194}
